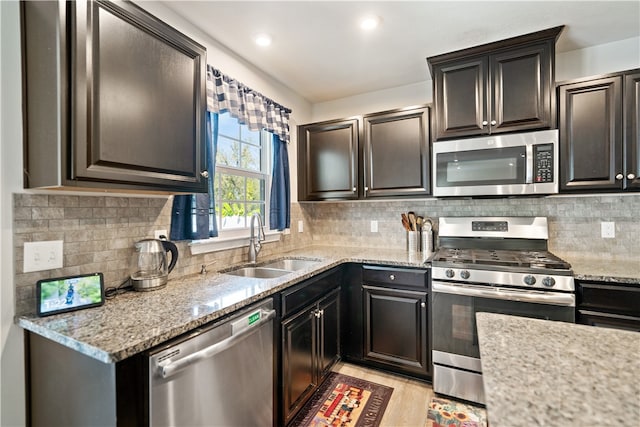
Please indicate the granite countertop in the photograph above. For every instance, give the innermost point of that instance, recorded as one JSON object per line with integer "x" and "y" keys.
{"x": 544, "y": 373}
{"x": 136, "y": 321}
{"x": 625, "y": 271}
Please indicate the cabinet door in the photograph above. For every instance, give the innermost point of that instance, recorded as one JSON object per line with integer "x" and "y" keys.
{"x": 298, "y": 364}
{"x": 328, "y": 333}
{"x": 460, "y": 94}
{"x": 328, "y": 160}
{"x": 396, "y": 329}
{"x": 138, "y": 100}
{"x": 591, "y": 135}
{"x": 521, "y": 89}
{"x": 632, "y": 129}
{"x": 396, "y": 153}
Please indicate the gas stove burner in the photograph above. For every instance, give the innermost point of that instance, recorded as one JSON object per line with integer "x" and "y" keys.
{"x": 508, "y": 258}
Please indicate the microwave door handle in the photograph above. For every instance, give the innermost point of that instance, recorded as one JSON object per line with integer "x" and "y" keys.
{"x": 529, "y": 164}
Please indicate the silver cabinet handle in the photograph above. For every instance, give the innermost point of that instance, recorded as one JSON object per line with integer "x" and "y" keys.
{"x": 366, "y": 188}
{"x": 423, "y": 305}
{"x": 392, "y": 277}
{"x": 631, "y": 176}
{"x": 493, "y": 122}
{"x": 619, "y": 176}
{"x": 484, "y": 123}
{"x": 173, "y": 367}
{"x": 354, "y": 189}
{"x": 204, "y": 174}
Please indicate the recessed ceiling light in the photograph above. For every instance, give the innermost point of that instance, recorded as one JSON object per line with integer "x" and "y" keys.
{"x": 370, "y": 22}
{"x": 263, "y": 39}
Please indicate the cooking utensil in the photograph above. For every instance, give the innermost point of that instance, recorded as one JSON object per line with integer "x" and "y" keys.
{"x": 405, "y": 222}
{"x": 412, "y": 220}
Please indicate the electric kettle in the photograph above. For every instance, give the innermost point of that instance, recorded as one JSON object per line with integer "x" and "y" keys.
{"x": 149, "y": 269}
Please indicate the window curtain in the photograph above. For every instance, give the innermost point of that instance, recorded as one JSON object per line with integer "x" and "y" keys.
{"x": 279, "y": 212}
{"x": 193, "y": 215}
{"x": 258, "y": 112}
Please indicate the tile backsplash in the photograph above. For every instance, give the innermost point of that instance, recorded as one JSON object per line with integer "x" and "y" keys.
{"x": 574, "y": 221}
{"x": 99, "y": 231}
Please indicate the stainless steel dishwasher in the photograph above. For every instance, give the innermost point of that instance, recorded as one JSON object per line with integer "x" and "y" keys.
{"x": 218, "y": 376}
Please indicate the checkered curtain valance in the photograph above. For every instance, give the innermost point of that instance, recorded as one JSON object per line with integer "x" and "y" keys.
{"x": 248, "y": 106}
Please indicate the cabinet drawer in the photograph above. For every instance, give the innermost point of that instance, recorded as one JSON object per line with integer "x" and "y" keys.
{"x": 413, "y": 278}
{"x": 617, "y": 299}
{"x": 307, "y": 292}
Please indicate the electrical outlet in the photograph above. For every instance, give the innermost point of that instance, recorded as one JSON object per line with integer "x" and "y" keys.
{"x": 608, "y": 230}
{"x": 158, "y": 233}
{"x": 374, "y": 226}
{"x": 40, "y": 256}
{"x": 300, "y": 226}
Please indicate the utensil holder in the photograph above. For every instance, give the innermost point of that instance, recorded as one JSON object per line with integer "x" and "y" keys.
{"x": 413, "y": 241}
{"x": 426, "y": 241}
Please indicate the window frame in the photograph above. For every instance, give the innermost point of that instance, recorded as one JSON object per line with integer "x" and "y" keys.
{"x": 239, "y": 237}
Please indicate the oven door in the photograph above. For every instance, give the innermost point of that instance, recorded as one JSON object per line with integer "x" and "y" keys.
{"x": 454, "y": 308}
{"x": 457, "y": 370}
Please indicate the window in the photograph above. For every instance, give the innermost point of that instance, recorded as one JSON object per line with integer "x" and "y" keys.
{"x": 242, "y": 177}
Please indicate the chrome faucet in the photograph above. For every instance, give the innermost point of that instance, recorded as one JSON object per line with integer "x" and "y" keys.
{"x": 254, "y": 241}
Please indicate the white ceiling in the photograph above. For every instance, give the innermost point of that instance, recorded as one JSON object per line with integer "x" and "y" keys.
{"x": 319, "y": 51}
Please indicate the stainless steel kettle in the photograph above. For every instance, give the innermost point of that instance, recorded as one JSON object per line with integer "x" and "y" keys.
{"x": 149, "y": 268}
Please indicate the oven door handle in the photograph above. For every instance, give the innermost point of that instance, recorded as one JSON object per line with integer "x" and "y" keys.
{"x": 539, "y": 297}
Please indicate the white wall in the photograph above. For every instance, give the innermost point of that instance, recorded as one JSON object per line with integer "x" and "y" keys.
{"x": 600, "y": 59}
{"x": 12, "y": 412}
{"x": 605, "y": 58}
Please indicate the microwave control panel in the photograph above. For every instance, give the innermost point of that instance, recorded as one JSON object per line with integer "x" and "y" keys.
{"x": 543, "y": 163}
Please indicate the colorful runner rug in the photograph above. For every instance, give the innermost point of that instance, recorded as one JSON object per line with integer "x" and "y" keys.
{"x": 449, "y": 413}
{"x": 344, "y": 401}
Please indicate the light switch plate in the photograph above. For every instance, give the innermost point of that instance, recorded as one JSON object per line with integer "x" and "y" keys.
{"x": 300, "y": 226}
{"x": 158, "y": 233}
{"x": 608, "y": 230}
{"x": 374, "y": 226}
{"x": 40, "y": 256}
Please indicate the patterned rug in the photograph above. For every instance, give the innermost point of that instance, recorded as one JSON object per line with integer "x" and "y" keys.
{"x": 443, "y": 412}
{"x": 344, "y": 401}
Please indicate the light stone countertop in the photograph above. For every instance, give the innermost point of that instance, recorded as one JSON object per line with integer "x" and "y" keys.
{"x": 136, "y": 321}
{"x": 623, "y": 271}
{"x": 544, "y": 373}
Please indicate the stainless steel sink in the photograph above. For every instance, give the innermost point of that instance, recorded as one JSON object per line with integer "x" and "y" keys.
{"x": 292, "y": 264}
{"x": 259, "y": 272}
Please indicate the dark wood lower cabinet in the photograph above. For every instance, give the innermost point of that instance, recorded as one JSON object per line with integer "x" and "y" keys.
{"x": 395, "y": 329}
{"x": 608, "y": 305}
{"x": 310, "y": 347}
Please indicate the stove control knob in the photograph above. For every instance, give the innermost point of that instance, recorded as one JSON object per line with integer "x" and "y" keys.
{"x": 548, "y": 281}
{"x": 529, "y": 280}
{"x": 464, "y": 274}
{"x": 449, "y": 273}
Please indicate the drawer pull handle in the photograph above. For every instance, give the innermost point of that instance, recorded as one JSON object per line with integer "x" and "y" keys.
{"x": 392, "y": 277}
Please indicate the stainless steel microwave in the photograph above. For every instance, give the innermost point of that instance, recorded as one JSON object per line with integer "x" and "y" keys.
{"x": 513, "y": 164}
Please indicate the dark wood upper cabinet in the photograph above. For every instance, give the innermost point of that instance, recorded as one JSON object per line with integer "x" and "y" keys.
{"x": 328, "y": 160}
{"x": 378, "y": 155}
{"x": 396, "y": 153}
{"x": 115, "y": 99}
{"x": 591, "y": 134}
{"x": 599, "y": 128}
{"x": 505, "y": 86}
{"x": 632, "y": 128}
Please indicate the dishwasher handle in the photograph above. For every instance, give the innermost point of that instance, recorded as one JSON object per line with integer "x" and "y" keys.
{"x": 174, "y": 367}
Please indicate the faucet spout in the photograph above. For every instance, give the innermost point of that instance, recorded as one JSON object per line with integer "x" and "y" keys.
{"x": 254, "y": 241}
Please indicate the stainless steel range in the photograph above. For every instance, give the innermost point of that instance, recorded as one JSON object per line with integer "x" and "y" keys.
{"x": 490, "y": 264}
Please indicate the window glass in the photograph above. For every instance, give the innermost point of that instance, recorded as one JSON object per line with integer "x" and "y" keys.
{"x": 242, "y": 175}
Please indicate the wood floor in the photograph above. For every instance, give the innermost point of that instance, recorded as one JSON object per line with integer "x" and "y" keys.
{"x": 409, "y": 400}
